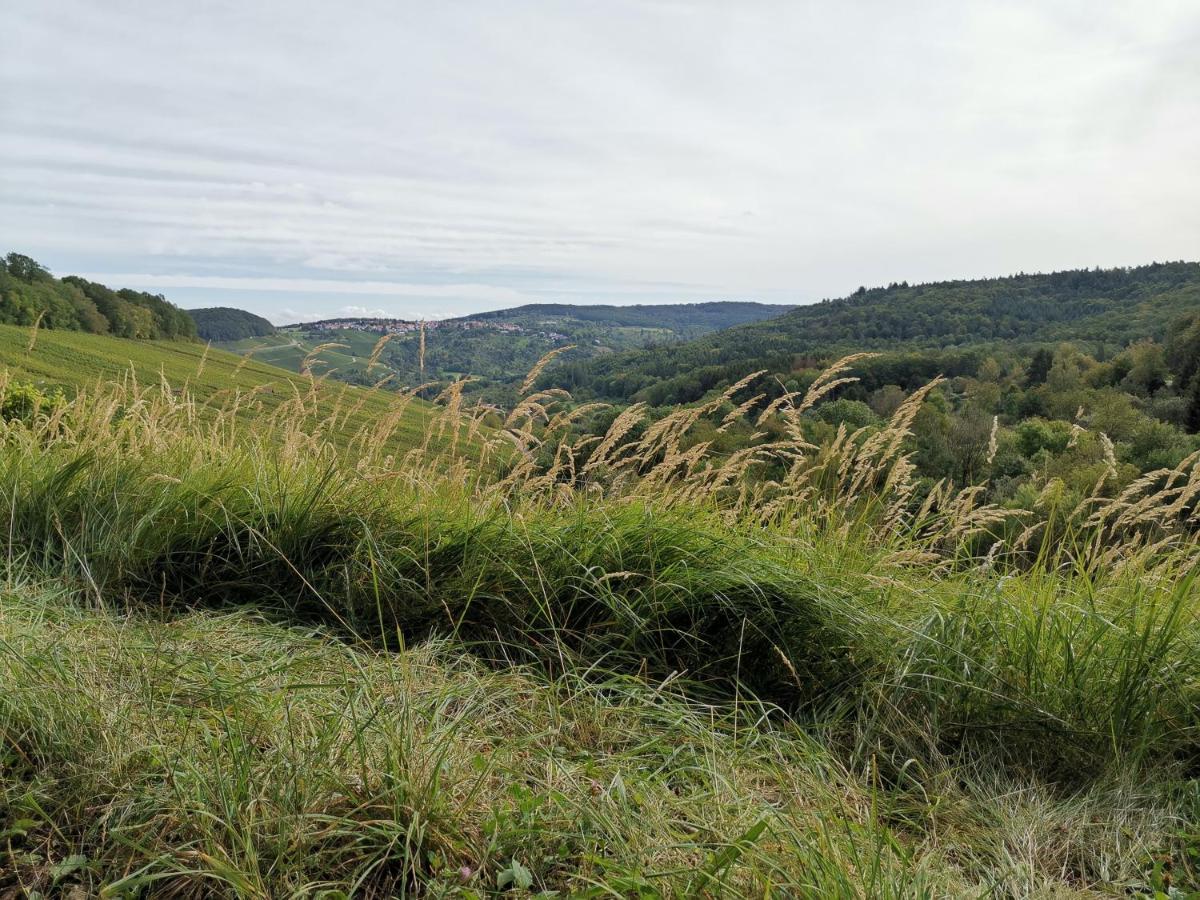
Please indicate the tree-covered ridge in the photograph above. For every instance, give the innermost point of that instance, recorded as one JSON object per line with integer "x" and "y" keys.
{"x": 224, "y": 323}
{"x": 30, "y": 294}
{"x": 1100, "y": 307}
{"x": 683, "y": 319}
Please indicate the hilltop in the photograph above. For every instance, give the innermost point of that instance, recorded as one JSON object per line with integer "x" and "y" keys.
{"x": 224, "y": 323}
{"x": 30, "y": 294}
{"x": 1097, "y": 307}
{"x": 681, "y": 319}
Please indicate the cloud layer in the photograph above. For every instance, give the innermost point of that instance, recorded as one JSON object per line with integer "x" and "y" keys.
{"x": 441, "y": 158}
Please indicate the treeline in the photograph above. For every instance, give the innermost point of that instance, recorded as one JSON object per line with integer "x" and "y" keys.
{"x": 684, "y": 319}
{"x": 1104, "y": 309}
{"x": 29, "y": 294}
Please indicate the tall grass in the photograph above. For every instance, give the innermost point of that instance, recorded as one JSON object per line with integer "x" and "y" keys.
{"x": 504, "y": 657}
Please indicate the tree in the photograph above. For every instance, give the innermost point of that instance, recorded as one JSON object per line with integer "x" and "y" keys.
{"x": 886, "y": 400}
{"x": 1183, "y": 350}
{"x": 1039, "y": 368}
{"x": 969, "y": 435}
{"x": 1192, "y": 417}
{"x": 1147, "y": 368}
{"x": 23, "y": 267}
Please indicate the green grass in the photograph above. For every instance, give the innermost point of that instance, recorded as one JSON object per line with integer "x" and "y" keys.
{"x": 261, "y": 668}
{"x": 75, "y": 360}
{"x": 259, "y": 761}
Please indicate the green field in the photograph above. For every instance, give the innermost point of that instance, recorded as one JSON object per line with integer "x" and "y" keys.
{"x": 76, "y": 360}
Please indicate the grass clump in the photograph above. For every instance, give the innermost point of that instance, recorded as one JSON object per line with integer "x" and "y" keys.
{"x": 221, "y": 752}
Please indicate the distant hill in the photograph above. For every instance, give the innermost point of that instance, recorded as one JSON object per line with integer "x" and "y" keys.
{"x": 497, "y": 347}
{"x": 1111, "y": 307}
{"x": 683, "y": 319}
{"x": 224, "y": 323}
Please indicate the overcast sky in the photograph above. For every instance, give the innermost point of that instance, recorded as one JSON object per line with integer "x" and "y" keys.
{"x": 428, "y": 159}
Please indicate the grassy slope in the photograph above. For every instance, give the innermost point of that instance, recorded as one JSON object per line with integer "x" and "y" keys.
{"x": 949, "y": 733}
{"x": 75, "y": 360}
{"x": 417, "y": 770}
{"x": 244, "y": 666}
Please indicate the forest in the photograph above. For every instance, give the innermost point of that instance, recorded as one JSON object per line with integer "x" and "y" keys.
{"x": 30, "y": 294}
{"x": 1101, "y": 310}
{"x": 680, "y": 319}
{"x": 224, "y": 323}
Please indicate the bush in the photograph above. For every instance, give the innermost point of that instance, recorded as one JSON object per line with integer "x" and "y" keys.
{"x": 25, "y": 402}
{"x": 853, "y": 414}
{"x": 1034, "y": 435}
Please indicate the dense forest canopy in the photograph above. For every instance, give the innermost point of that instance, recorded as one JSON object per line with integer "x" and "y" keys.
{"x": 1106, "y": 309}
{"x": 224, "y": 323}
{"x": 30, "y": 294}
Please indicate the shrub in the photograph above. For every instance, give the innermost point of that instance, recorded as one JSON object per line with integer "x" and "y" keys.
{"x": 25, "y": 402}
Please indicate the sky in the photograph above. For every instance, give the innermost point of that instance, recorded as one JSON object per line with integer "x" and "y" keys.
{"x": 417, "y": 159}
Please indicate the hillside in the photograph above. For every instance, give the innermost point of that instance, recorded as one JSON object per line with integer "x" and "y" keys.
{"x": 681, "y": 319}
{"x": 224, "y": 323}
{"x": 76, "y": 361}
{"x": 1110, "y": 307}
{"x": 497, "y": 348}
{"x": 29, "y": 294}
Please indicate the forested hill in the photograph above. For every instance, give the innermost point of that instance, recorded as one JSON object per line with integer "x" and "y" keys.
{"x": 1110, "y": 307}
{"x": 224, "y": 323}
{"x": 30, "y": 294}
{"x": 682, "y": 319}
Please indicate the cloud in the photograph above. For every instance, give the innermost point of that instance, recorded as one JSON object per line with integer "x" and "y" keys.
{"x": 287, "y": 316}
{"x": 468, "y": 158}
{"x": 363, "y": 312}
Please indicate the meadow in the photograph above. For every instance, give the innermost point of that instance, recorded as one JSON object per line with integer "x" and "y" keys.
{"x": 284, "y": 651}
{"x": 211, "y": 378}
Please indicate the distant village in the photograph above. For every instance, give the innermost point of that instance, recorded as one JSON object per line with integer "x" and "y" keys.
{"x": 404, "y": 326}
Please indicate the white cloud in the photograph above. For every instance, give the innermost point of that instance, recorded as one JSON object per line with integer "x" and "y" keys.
{"x": 287, "y": 316}
{"x": 462, "y": 156}
{"x": 363, "y": 312}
